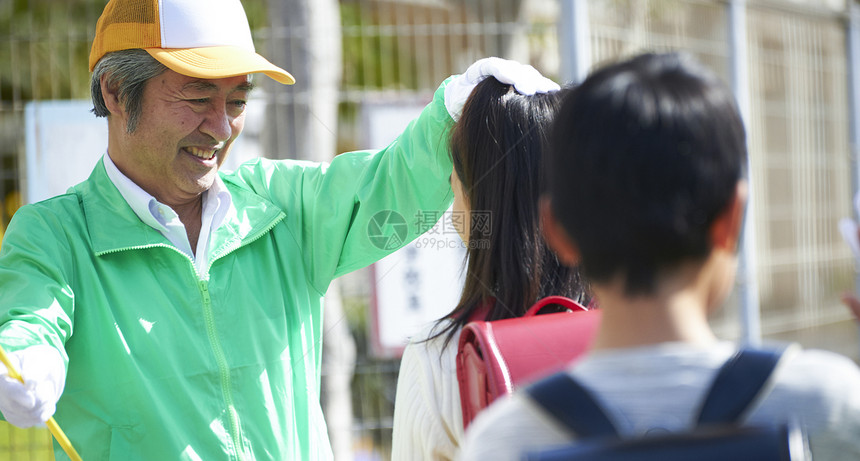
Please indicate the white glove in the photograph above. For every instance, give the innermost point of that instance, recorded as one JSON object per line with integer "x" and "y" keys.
{"x": 32, "y": 403}
{"x": 525, "y": 79}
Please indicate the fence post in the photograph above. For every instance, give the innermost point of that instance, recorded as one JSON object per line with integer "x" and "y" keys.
{"x": 748, "y": 286}
{"x": 853, "y": 47}
{"x": 574, "y": 41}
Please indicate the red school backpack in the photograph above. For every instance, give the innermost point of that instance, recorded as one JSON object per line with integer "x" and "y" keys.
{"x": 494, "y": 358}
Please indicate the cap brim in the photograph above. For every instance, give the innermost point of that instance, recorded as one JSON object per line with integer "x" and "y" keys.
{"x": 218, "y": 62}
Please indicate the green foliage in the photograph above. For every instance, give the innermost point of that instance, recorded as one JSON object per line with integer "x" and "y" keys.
{"x": 257, "y": 12}
{"x": 33, "y": 444}
{"x": 370, "y": 47}
{"x": 45, "y": 47}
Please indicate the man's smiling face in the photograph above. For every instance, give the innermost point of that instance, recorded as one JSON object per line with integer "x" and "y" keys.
{"x": 186, "y": 129}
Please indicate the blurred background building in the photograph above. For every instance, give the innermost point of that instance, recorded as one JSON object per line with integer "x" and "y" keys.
{"x": 791, "y": 62}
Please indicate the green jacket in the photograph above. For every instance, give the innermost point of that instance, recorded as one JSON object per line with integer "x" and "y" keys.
{"x": 166, "y": 363}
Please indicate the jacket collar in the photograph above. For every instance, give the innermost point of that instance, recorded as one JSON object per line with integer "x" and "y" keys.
{"x": 113, "y": 225}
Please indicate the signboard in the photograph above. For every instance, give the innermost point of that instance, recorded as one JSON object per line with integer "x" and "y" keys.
{"x": 64, "y": 141}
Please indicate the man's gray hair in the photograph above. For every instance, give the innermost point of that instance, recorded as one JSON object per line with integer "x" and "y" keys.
{"x": 128, "y": 71}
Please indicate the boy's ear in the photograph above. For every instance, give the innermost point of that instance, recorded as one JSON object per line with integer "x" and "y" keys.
{"x": 555, "y": 235}
{"x": 726, "y": 229}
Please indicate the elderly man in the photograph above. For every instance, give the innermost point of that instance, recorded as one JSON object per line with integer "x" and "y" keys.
{"x": 169, "y": 311}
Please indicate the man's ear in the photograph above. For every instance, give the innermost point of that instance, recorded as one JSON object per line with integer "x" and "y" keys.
{"x": 110, "y": 95}
{"x": 555, "y": 235}
{"x": 726, "y": 229}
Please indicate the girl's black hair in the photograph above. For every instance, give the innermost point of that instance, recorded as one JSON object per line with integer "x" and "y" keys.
{"x": 498, "y": 152}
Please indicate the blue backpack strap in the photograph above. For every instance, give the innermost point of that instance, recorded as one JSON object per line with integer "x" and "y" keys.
{"x": 738, "y": 383}
{"x": 572, "y": 405}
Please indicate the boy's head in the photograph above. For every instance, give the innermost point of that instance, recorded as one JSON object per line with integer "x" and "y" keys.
{"x": 645, "y": 156}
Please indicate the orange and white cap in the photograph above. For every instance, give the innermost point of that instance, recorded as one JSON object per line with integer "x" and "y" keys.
{"x": 197, "y": 38}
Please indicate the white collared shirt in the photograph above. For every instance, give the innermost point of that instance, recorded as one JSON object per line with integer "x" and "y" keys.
{"x": 216, "y": 203}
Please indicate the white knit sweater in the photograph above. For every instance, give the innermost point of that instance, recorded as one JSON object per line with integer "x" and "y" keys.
{"x": 428, "y": 419}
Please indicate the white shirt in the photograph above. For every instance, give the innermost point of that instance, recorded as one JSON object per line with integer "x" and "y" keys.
{"x": 661, "y": 386}
{"x": 428, "y": 418}
{"x": 216, "y": 202}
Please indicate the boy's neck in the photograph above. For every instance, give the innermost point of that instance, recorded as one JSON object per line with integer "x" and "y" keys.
{"x": 676, "y": 311}
{"x": 642, "y": 323}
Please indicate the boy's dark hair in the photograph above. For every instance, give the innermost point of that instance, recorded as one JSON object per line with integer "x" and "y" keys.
{"x": 644, "y": 155}
{"x": 498, "y": 149}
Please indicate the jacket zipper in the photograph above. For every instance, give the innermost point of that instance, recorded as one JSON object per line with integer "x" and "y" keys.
{"x": 215, "y": 342}
{"x": 211, "y": 331}
{"x": 223, "y": 369}
{"x": 230, "y": 249}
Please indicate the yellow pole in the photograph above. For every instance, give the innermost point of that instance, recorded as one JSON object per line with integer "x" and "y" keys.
{"x": 51, "y": 423}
